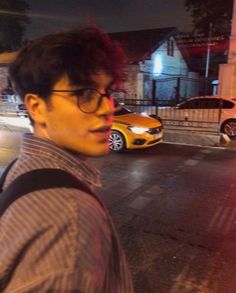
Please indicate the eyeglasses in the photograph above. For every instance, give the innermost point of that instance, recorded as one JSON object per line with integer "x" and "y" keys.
{"x": 89, "y": 99}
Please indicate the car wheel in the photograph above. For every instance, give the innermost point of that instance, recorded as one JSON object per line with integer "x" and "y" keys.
{"x": 229, "y": 127}
{"x": 116, "y": 141}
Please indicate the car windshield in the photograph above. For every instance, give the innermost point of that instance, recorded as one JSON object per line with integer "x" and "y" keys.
{"x": 122, "y": 111}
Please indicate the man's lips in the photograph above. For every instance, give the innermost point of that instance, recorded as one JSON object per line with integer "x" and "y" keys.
{"x": 102, "y": 129}
{"x": 102, "y": 133}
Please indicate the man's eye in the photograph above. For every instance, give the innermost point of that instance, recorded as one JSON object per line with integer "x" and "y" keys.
{"x": 91, "y": 94}
{"x": 87, "y": 96}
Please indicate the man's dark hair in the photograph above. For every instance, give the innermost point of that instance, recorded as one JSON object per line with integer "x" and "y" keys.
{"x": 78, "y": 53}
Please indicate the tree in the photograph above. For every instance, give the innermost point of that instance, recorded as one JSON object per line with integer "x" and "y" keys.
{"x": 211, "y": 20}
{"x": 215, "y": 13}
{"x": 13, "y": 20}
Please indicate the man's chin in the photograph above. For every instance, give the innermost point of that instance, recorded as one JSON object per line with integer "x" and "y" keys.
{"x": 100, "y": 152}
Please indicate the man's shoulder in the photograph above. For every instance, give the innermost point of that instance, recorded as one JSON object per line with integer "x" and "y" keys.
{"x": 56, "y": 204}
{"x": 48, "y": 204}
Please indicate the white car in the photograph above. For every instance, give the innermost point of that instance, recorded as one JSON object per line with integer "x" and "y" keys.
{"x": 208, "y": 110}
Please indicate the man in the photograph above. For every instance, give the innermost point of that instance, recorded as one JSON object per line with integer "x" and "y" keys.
{"x": 63, "y": 239}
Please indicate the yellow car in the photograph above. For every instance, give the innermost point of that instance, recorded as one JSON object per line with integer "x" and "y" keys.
{"x": 134, "y": 131}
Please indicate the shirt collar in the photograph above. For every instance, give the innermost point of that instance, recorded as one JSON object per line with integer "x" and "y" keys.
{"x": 79, "y": 164}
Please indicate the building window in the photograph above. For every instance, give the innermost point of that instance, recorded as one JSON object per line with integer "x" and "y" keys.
{"x": 170, "y": 47}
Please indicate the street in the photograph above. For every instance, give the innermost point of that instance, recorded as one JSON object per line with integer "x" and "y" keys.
{"x": 175, "y": 209}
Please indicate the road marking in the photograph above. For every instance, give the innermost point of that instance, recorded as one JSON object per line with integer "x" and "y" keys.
{"x": 156, "y": 189}
{"x": 230, "y": 221}
{"x": 223, "y": 219}
{"x": 215, "y": 218}
{"x": 199, "y": 146}
{"x": 198, "y": 157}
{"x": 206, "y": 151}
{"x": 191, "y": 162}
{"x": 140, "y": 202}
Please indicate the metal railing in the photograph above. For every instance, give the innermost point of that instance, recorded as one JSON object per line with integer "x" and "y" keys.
{"x": 173, "y": 117}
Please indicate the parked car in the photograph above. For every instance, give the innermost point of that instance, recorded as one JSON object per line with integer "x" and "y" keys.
{"x": 21, "y": 110}
{"x": 133, "y": 131}
{"x": 205, "y": 109}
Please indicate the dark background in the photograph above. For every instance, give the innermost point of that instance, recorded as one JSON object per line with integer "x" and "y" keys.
{"x": 111, "y": 15}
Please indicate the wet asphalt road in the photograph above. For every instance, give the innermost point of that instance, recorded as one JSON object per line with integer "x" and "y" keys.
{"x": 175, "y": 209}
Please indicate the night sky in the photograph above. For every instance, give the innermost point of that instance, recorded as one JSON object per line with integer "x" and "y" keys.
{"x": 111, "y": 15}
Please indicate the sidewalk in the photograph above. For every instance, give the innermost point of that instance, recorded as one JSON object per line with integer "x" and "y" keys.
{"x": 18, "y": 125}
{"x": 196, "y": 138}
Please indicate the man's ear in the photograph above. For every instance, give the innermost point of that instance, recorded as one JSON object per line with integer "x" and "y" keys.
{"x": 36, "y": 107}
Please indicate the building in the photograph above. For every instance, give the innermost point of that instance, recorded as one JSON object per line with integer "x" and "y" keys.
{"x": 157, "y": 68}
{"x": 5, "y": 59}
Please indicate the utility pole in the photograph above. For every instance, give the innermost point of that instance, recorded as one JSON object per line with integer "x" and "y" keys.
{"x": 232, "y": 43}
{"x": 227, "y": 73}
{"x": 208, "y": 51}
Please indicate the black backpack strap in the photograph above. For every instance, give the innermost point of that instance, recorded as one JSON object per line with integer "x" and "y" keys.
{"x": 37, "y": 180}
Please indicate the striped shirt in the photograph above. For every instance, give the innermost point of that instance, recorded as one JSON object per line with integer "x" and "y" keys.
{"x": 59, "y": 239}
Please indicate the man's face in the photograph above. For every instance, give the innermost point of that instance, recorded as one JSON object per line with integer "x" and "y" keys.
{"x": 69, "y": 127}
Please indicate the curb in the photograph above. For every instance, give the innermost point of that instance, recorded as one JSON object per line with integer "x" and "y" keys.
{"x": 196, "y": 138}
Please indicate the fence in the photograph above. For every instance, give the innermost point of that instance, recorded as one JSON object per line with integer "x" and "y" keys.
{"x": 170, "y": 99}
{"x": 176, "y": 88}
{"x": 8, "y": 104}
{"x": 202, "y": 115}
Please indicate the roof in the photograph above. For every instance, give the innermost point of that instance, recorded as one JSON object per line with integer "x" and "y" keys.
{"x": 139, "y": 45}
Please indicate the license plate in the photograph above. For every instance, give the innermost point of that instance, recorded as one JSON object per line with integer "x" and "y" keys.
{"x": 156, "y": 136}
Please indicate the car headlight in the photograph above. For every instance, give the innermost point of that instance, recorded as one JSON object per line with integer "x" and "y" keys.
{"x": 138, "y": 130}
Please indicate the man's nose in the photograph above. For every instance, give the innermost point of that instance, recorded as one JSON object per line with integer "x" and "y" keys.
{"x": 106, "y": 106}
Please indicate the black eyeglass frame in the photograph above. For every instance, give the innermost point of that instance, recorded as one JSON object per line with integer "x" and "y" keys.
{"x": 80, "y": 92}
